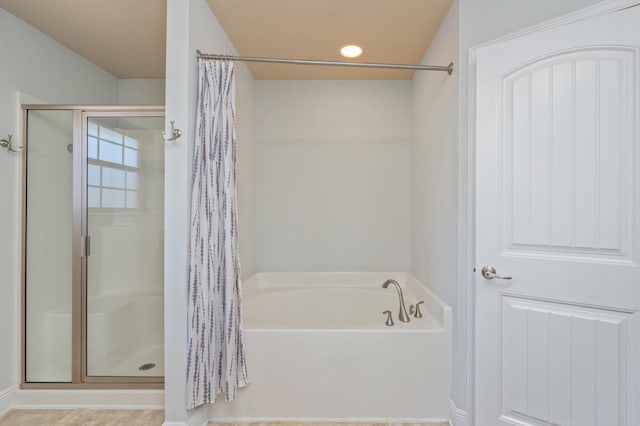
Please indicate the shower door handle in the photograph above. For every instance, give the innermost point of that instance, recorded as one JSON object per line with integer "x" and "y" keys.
{"x": 85, "y": 246}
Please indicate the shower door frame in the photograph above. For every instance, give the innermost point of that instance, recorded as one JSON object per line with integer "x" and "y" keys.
{"x": 79, "y": 377}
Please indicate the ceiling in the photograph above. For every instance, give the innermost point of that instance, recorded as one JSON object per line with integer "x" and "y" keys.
{"x": 391, "y": 31}
{"x": 124, "y": 37}
{"x": 127, "y": 38}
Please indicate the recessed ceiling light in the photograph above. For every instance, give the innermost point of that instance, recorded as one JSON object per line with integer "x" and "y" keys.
{"x": 351, "y": 51}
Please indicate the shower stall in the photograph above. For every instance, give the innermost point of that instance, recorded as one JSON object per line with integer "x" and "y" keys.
{"x": 93, "y": 247}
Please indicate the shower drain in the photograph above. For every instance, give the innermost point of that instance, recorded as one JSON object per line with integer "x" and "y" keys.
{"x": 147, "y": 366}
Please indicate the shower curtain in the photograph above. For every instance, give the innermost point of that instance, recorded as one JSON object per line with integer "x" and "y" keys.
{"x": 215, "y": 358}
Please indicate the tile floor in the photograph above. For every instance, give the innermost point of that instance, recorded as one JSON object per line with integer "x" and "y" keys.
{"x": 329, "y": 424}
{"x": 84, "y": 417}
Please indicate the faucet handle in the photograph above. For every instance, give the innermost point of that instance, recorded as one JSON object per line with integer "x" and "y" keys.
{"x": 389, "y": 321}
{"x": 417, "y": 313}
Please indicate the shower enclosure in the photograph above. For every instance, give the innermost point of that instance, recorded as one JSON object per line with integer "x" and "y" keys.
{"x": 93, "y": 247}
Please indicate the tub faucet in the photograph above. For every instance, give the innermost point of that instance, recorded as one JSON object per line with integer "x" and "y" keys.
{"x": 402, "y": 315}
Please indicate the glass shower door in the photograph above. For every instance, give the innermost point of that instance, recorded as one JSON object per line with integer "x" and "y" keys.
{"x": 124, "y": 164}
{"x": 49, "y": 205}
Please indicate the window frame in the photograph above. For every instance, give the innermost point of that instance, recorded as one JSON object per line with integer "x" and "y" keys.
{"x": 122, "y": 166}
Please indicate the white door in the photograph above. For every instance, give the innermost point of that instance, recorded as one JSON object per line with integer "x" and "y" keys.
{"x": 558, "y": 209}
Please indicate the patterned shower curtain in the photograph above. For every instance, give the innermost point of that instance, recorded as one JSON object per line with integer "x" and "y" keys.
{"x": 215, "y": 358}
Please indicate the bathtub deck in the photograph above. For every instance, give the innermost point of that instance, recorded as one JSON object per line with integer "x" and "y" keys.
{"x": 83, "y": 417}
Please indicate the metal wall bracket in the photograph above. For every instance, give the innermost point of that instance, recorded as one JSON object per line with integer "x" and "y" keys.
{"x": 175, "y": 133}
{"x": 6, "y": 143}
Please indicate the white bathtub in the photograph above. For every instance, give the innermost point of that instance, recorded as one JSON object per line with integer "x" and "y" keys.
{"x": 318, "y": 349}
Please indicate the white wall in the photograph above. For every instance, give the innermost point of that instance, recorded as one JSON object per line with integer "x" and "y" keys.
{"x": 488, "y": 19}
{"x": 434, "y": 220}
{"x": 141, "y": 91}
{"x": 36, "y": 65}
{"x": 434, "y": 175}
{"x": 440, "y": 209}
{"x": 193, "y": 26}
{"x": 332, "y": 175}
{"x": 481, "y": 22}
{"x": 245, "y": 167}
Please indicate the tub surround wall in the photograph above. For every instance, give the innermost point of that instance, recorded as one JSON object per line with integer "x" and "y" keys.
{"x": 332, "y": 175}
{"x": 245, "y": 167}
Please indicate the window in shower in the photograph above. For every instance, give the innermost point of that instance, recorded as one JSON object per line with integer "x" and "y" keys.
{"x": 93, "y": 247}
{"x": 113, "y": 168}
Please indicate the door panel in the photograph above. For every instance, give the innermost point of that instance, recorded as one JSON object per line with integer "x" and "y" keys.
{"x": 567, "y": 134}
{"x": 558, "y": 206}
{"x": 562, "y": 362}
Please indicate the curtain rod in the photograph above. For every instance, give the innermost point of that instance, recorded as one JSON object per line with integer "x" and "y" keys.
{"x": 448, "y": 68}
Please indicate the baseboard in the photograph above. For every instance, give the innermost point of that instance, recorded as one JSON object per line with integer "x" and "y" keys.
{"x": 75, "y": 398}
{"x": 457, "y": 417}
{"x": 6, "y": 400}
{"x": 199, "y": 418}
{"x": 302, "y": 420}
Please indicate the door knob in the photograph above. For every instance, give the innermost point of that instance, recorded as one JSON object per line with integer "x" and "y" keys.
{"x": 489, "y": 272}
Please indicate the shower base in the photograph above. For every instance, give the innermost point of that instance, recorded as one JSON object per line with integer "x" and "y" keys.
{"x": 130, "y": 366}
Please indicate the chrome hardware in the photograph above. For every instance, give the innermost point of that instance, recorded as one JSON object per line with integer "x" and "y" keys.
{"x": 402, "y": 315}
{"x": 175, "y": 133}
{"x": 6, "y": 143}
{"x": 389, "y": 322}
{"x": 489, "y": 273}
{"x": 448, "y": 68}
{"x": 417, "y": 313}
{"x": 85, "y": 246}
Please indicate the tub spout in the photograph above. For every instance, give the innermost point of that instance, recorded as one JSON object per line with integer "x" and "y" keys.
{"x": 402, "y": 315}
